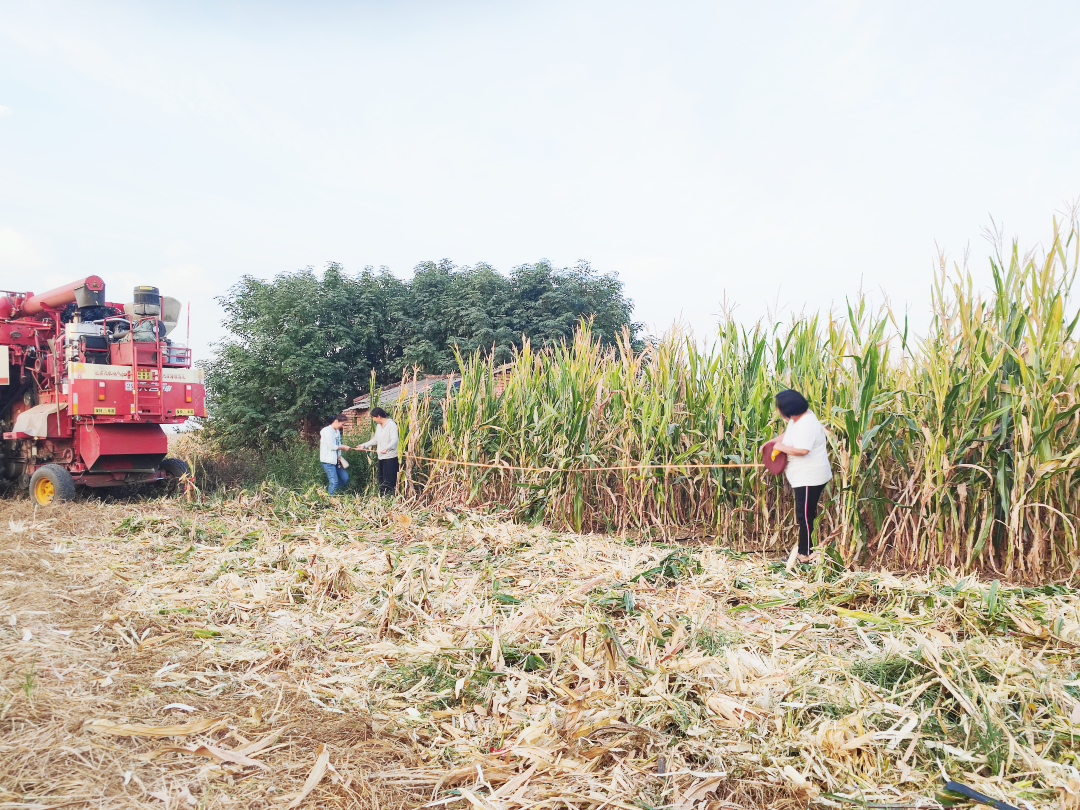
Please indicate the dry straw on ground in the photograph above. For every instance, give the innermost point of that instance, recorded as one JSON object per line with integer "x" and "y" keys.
{"x": 276, "y": 650}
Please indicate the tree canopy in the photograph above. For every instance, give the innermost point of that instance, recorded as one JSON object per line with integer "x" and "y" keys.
{"x": 301, "y": 346}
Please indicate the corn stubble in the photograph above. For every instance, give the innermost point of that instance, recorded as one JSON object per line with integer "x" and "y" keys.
{"x": 352, "y": 654}
{"x": 960, "y": 449}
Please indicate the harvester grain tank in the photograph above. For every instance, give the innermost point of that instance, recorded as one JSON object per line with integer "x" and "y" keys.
{"x": 86, "y": 385}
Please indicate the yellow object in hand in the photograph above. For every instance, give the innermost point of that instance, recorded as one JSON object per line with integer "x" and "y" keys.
{"x": 775, "y": 453}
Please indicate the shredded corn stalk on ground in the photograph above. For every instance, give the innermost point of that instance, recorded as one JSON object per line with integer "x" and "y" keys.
{"x": 280, "y": 650}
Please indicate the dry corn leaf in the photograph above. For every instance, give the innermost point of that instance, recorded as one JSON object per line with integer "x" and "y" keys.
{"x": 210, "y": 752}
{"x": 318, "y": 771}
{"x": 205, "y": 726}
{"x": 697, "y": 791}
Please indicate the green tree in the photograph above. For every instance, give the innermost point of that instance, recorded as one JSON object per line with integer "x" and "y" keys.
{"x": 547, "y": 303}
{"x": 301, "y": 346}
{"x": 297, "y": 347}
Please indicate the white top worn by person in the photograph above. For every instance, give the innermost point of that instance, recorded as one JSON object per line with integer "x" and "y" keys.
{"x": 330, "y": 445}
{"x": 812, "y": 468}
{"x": 385, "y": 439}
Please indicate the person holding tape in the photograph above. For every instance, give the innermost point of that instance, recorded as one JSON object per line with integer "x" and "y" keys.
{"x": 330, "y": 448}
{"x": 385, "y": 444}
{"x": 807, "y": 470}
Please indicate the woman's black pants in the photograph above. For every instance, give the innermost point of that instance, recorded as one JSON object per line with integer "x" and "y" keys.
{"x": 806, "y": 499}
{"x": 387, "y": 472}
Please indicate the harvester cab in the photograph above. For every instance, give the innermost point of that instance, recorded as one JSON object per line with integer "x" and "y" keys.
{"x": 86, "y": 386}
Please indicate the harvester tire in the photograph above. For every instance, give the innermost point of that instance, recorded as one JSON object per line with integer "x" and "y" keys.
{"x": 50, "y": 484}
{"x": 174, "y": 468}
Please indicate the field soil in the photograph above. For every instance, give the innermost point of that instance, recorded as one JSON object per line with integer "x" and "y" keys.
{"x": 280, "y": 650}
{"x": 104, "y": 705}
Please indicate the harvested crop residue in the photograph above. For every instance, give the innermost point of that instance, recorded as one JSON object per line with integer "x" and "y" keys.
{"x": 276, "y": 650}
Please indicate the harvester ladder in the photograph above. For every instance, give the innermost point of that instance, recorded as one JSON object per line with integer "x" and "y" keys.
{"x": 148, "y": 395}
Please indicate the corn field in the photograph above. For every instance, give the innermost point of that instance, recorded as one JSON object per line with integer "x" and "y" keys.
{"x": 959, "y": 449}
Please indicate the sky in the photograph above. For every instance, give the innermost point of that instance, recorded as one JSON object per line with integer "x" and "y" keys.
{"x": 775, "y": 158}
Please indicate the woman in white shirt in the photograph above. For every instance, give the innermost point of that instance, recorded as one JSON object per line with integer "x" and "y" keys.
{"x": 386, "y": 442}
{"x": 807, "y": 469}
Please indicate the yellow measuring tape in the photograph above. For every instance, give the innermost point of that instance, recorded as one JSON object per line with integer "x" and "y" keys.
{"x": 617, "y": 468}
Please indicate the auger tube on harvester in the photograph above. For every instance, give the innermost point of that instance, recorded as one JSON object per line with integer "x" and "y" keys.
{"x": 85, "y": 387}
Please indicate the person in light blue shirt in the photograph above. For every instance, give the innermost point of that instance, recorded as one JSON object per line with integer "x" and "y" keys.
{"x": 330, "y": 448}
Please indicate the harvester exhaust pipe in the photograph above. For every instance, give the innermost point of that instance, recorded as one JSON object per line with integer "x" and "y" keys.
{"x": 86, "y": 291}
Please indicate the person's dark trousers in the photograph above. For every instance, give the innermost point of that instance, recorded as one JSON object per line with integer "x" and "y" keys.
{"x": 388, "y": 469}
{"x": 335, "y": 476}
{"x": 806, "y": 499}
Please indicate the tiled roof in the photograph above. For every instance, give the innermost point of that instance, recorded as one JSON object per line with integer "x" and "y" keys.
{"x": 390, "y": 395}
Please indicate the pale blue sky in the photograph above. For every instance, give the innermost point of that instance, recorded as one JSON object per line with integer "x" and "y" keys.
{"x": 777, "y": 153}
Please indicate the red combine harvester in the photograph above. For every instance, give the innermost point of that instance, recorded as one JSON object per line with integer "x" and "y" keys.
{"x": 85, "y": 386}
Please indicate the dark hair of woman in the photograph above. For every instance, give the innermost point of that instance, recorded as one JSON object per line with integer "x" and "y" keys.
{"x": 791, "y": 403}
{"x": 379, "y": 412}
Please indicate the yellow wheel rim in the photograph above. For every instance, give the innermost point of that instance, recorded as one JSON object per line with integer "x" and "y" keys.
{"x": 44, "y": 491}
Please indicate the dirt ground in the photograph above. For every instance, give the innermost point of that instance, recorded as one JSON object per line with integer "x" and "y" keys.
{"x": 275, "y": 649}
{"x": 69, "y": 667}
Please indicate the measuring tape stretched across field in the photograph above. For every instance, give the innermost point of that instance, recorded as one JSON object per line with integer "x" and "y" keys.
{"x": 771, "y": 461}
{"x": 639, "y": 467}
